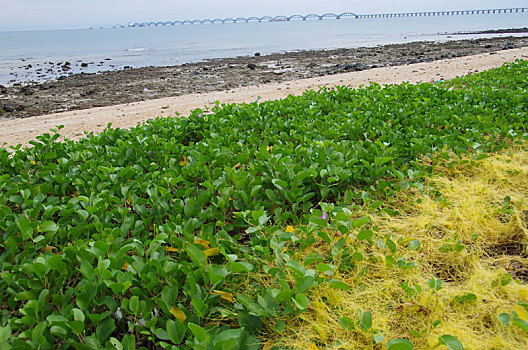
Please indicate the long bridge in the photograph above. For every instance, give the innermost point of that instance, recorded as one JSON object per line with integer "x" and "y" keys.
{"x": 314, "y": 16}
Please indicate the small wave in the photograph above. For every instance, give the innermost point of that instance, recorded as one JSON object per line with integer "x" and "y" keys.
{"x": 138, "y": 49}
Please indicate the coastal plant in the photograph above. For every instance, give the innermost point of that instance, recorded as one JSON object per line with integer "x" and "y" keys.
{"x": 184, "y": 232}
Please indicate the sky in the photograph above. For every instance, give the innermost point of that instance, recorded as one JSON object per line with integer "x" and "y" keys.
{"x": 63, "y": 14}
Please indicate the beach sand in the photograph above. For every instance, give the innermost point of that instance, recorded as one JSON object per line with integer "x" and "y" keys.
{"x": 77, "y": 122}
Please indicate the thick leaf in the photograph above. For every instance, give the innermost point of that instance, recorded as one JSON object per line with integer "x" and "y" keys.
{"x": 451, "y": 342}
{"x": 400, "y": 344}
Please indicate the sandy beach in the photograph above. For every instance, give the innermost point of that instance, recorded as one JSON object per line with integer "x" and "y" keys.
{"x": 78, "y": 122}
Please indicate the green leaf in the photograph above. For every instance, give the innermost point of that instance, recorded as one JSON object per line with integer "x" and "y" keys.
{"x": 175, "y": 331}
{"x": 324, "y": 236}
{"x": 105, "y": 329}
{"x": 400, "y": 344}
{"x": 198, "y": 332}
{"x": 280, "y": 326}
{"x": 336, "y": 284}
{"x": 25, "y": 227}
{"x": 241, "y": 266}
{"x": 5, "y": 334}
{"x": 346, "y": 323}
{"x": 451, "y": 342}
{"x": 78, "y": 315}
{"x": 505, "y": 319}
{"x": 37, "y": 334}
{"x": 227, "y": 339}
{"x": 520, "y": 323}
{"x": 379, "y": 337}
{"x": 197, "y": 256}
{"x": 414, "y": 245}
{"x": 59, "y": 331}
{"x": 365, "y": 322}
{"x": 319, "y": 222}
{"x": 48, "y": 226}
{"x": 360, "y": 222}
{"x": 435, "y": 284}
{"x": 200, "y": 307}
{"x": 250, "y": 322}
{"x": 133, "y": 305}
{"x": 301, "y": 301}
{"x": 365, "y": 235}
{"x": 466, "y": 298}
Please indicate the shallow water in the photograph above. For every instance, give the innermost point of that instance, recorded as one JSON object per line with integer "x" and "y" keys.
{"x": 115, "y": 48}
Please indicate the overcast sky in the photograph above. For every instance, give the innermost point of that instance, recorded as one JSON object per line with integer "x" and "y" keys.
{"x": 55, "y": 14}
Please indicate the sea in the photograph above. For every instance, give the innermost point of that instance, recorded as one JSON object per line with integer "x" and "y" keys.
{"x": 40, "y": 55}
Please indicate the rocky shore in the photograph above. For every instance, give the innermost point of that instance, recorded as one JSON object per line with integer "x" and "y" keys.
{"x": 81, "y": 91}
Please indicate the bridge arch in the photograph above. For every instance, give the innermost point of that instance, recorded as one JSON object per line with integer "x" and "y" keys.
{"x": 229, "y": 19}
{"x": 312, "y": 16}
{"x": 207, "y": 20}
{"x": 253, "y": 19}
{"x": 187, "y": 22}
{"x": 348, "y": 14}
{"x": 265, "y": 18}
{"x": 240, "y": 19}
{"x": 217, "y": 20}
{"x": 328, "y": 15}
{"x": 196, "y": 21}
{"x": 296, "y": 17}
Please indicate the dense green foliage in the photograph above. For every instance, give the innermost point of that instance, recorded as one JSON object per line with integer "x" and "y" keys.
{"x": 127, "y": 238}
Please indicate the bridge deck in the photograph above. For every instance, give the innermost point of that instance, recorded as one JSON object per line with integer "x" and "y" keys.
{"x": 313, "y": 16}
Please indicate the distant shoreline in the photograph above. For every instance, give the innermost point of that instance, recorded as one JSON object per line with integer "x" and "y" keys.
{"x": 494, "y": 31}
{"x": 82, "y": 91}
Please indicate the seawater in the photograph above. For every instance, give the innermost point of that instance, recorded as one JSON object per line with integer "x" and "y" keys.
{"x": 172, "y": 45}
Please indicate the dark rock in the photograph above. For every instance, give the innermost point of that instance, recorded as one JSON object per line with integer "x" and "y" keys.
{"x": 252, "y": 66}
{"x": 67, "y": 63}
{"x": 62, "y": 77}
{"x": 488, "y": 46}
{"x": 3, "y": 89}
{"x": 127, "y": 67}
{"x": 84, "y": 64}
{"x": 313, "y": 64}
{"x": 26, "y": 90}
{"x": 257, "y": 54}
{"x": 88, "y": 92}
{"x": 355, "y": 67}
{"x": 11, "y": 107}
{"x": 509, "y": 47}
{"x": 107, "y": 59}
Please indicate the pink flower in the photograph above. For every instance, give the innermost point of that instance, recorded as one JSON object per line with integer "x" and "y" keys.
{"x": 324, "y": 216}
